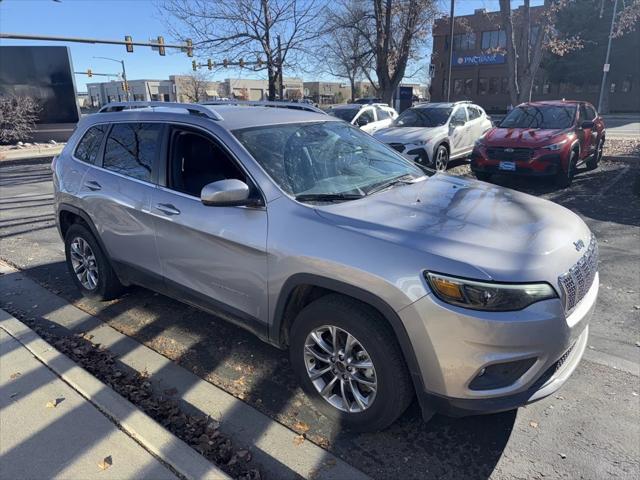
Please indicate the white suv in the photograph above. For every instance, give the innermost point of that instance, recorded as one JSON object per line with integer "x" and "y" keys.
{"x": 369, "y": 118}
{"x": 434, "y": 133}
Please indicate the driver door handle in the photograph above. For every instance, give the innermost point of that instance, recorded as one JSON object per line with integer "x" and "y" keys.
{"x": 93, "y": 185}
{"x": 167, "y": 209}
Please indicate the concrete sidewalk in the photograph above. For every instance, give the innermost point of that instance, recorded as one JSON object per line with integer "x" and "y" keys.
{"x": 69, "y": 440}
{"x": 58, "y": 421}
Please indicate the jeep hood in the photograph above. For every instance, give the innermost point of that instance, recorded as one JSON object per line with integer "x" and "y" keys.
{"x": 404, "y": 134}
{"x": 505, "y": 234}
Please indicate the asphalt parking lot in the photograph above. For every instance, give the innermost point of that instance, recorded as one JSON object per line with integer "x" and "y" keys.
{"x": 589, "y": 429}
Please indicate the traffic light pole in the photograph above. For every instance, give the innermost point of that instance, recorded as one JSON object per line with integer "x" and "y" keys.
{"x": 124, "y": 79}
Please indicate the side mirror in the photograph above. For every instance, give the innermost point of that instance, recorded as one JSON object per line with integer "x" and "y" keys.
{"x": 454, "y": 122}
{"x": 225, "y": 193}
{"x": 361, "y": 121}
{"x": 587, "y": 125}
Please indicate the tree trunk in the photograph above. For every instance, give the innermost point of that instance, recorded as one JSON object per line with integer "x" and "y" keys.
{"x": 512, "y": 57}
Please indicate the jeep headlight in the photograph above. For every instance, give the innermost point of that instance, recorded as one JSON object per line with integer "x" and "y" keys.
{"x": 497, "y": 297}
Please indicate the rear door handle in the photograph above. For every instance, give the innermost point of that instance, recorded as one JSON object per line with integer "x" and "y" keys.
{"x": 167, "y": 209}
{"x": 92, "y": 185}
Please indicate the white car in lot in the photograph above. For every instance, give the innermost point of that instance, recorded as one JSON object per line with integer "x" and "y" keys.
{"x": 434, "y": 133}
{"x": 369, "y": 118}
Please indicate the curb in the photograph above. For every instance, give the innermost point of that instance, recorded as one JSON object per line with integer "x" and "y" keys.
{"x": 37, "y": 160}
{"x": 146, "y": 431}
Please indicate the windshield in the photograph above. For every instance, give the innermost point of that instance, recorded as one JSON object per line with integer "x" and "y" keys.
{"x": 423, "y": 117}
{"x": 326, "y": 158}
{"x": 545, "y": 116}
{"x": 345, "y": 114}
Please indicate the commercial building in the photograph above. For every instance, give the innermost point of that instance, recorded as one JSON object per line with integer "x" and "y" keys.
{"x": 326, "y": 93}
{"x": 479, "y": 67}
{"x": 139, "y": 90}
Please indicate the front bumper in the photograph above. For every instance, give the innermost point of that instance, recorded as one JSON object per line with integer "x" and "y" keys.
{"x": 416, "y": 153}
{"x": 539, "y": 165}
{"x": 453, "y": 345}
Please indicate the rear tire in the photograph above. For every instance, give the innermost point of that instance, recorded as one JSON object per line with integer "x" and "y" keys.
{"x": 88, "y": 265}
{"x": 564, "y": 179}
{"x": 375, "y": 354}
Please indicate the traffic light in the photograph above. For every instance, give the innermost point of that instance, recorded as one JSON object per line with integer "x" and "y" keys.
{"x": 129, "y": 41}
{"x": 241, "y": 63}
{"x": 189, "y": 48}
{"x": 194, "y": 65}
{"x": 89, "y": 73}
{"x": 209, "y": 64}
{"x": 161, "y": 46}
{"x": 225, "y": 63}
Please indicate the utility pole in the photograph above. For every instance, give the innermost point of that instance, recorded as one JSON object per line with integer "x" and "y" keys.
{"x": 280, "y": 80}
{"x": 451, "y": 22}
{"x": 606, "y": 66}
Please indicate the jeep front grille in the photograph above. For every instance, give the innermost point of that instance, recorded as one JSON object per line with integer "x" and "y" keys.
{"x": 575, "y": 283}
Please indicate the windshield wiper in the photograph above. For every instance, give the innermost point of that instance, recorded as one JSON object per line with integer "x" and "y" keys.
{"x": 405, "y": 179}
{"x": 327, "y": 197}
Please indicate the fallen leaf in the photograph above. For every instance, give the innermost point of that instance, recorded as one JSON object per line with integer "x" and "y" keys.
{"x": 533, "y": 424}
{"x": 563, "y": 455}
{"x": 105, "y": 463}
{"x": 301, "y": 427}
{"x": 298, "y": 440}
{"x": 55, "y": 403}
{"x": 13, "y": 376}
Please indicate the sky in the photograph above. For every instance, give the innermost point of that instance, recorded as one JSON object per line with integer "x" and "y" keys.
{"x": 113, "y": 19}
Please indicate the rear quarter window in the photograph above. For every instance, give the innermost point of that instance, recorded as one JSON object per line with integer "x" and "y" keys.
{"x": 88, "y": 148}
{"x": 133, "y": 149}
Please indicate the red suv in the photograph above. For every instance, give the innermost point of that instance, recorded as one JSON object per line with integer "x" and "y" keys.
{"x": 542, "y": 139}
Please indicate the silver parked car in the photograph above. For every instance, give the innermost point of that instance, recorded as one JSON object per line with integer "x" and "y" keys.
{"x": 383, "y": 282}
{"x": 434, "y": 133}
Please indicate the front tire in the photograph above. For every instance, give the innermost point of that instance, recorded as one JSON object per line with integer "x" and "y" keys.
{"x": 592, "y": 163}
{"x": 349, "y": 363}
{"x": 564, "y": 179}
{"x": 89, "y": 266}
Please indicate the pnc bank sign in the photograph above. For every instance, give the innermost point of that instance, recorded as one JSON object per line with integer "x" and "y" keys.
{"x": 488, "y": 59}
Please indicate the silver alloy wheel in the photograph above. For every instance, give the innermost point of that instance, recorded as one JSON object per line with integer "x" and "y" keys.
{"x": 340, "y": 369}
{"x": 84, "y": 263}
{"x": 441, "y": 159}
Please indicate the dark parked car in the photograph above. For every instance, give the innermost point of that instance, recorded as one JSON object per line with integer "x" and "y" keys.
{"x": 542, "y": 139}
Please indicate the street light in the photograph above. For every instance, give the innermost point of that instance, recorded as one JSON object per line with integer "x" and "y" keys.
{"x": 124, "y": 74}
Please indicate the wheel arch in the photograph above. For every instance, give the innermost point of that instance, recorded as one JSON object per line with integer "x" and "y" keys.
{"x": 301, "y": 289}
{"x": 70, "y": 214}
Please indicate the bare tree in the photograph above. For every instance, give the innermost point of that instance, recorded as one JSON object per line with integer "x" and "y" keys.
{"x": 18, "y": 116}
{"x": 193, "y": 86}
{"x": 343, "y": 51}
{"x": 246, "y": 29}
{"x": 394, "y": 32}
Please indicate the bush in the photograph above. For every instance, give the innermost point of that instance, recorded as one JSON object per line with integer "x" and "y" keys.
{"x": 18, "y": 117}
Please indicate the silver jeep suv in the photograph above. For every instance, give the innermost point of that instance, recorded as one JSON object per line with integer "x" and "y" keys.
{"x": 383, "y": 282}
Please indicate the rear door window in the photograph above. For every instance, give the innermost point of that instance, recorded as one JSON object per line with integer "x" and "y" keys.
{"x": 133, "y": 149}
{"x": 88, "y": 148}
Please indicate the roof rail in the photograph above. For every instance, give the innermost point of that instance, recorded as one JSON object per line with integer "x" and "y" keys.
{"x": 264, "y": 103}
{"x": 191, "y": 108}
{"x": 462, "y": 101}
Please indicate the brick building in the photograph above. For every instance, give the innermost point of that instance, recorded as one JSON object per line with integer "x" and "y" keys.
{"x": 479, "y": 71}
